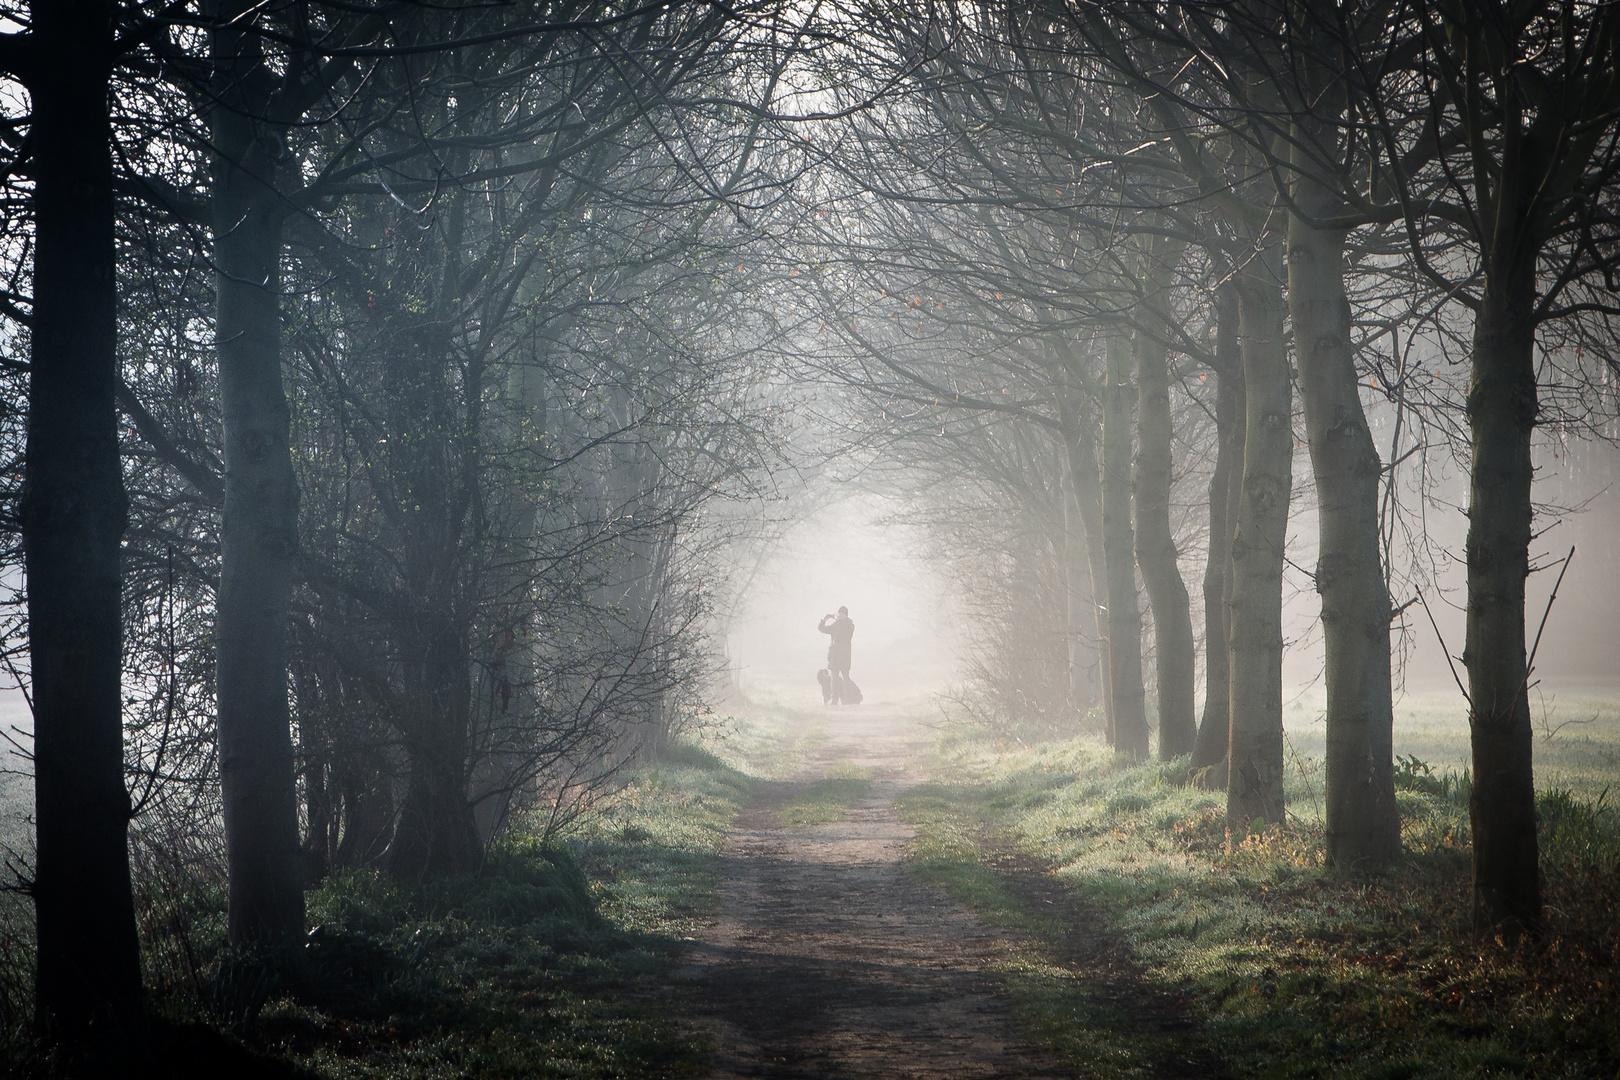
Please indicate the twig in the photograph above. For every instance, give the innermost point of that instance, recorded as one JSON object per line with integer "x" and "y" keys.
{"x": 1441, "y": 638}
{"x": 1547, "y": 729}
{"x": 1530, "y": 664}
{"x": 17, "y": 677}
{"x": 1547, "y": 732}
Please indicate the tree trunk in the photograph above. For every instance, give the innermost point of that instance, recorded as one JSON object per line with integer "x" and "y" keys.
{"x": 369, "y": 816}
{"x": 1255, "y": 775}
{"x": 1363, "y": 822}
{"x": 1119, "y": 555}
{"x": 73, "y": 514}
{"x": 437, "y": 834}
{"x": 1086, "y": 499}
{"x": 1502, "y": 408}
{"x": 1079, "y": 615}
{"x": 514, "y": 663}
{"x": 1155, "y": 543}
{"x": 318, "y": 844}
{"x": 259, "y": 532}
{"x": 1225, "y": 489}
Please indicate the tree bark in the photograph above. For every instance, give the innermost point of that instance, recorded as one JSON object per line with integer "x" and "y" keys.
{"x": 1155, "y": 543}
{"x": 73, "y": 513}
{"x": 1363, "y": 821}
{"x": 1225, "y": 489}
{"x": 1502, "y": 409}
{"x": 1119, "y": 556}
{"x": 1255, "y": 756}
{"x": 1080, "y": 611}
{"x": 317, "y": 849}
{"x": 1536, "y": 119}
{"x": 1087, "y": 500}
{"x": 437, "y": 834}
{"x": 259, "y": 531}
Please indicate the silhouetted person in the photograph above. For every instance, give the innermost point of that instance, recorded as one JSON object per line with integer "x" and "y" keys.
{"x": 841, "y": 630}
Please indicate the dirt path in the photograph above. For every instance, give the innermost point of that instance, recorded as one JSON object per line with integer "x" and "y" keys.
{"x": 829, "y": 960}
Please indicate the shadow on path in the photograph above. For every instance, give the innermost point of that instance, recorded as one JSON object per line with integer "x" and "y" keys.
{"x": 828, "y": 960}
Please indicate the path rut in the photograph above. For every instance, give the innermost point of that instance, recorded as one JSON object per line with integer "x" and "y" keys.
{"x": 828, "y": 960}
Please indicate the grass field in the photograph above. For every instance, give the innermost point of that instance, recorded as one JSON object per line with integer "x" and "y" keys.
{"x": 1141, "y": 935}
{"x": 1281, "y": 966}
{"x": 1576, "y": 744}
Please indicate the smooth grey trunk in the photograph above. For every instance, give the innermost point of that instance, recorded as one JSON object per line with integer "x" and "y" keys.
{"x": 518, "y": 516}
{"x": 1225, "y": 490}
{"x": 1255, "y": 754}
{"x": 1086, "y": 493}
{"x": 1363, "y": 821}
{"x": 1502, "y": 409}
{"x": 259, "y": 531}
{"x": 1080, "y": 621}
{"x": 1155, "y": 543}
{"x": 1119, "y": 556}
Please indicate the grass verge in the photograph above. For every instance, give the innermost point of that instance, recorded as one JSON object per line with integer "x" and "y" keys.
{"x": 537, "y": 966}
{"x": 1184, "y": 949}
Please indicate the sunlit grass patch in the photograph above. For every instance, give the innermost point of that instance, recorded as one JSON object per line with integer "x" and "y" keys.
{"x": 1576, "y": 732}
{"x": 1093, "y": 1025}
{"x": 534, "y": 966}
{"x": 653, "y": 849}
{"x": 535, "y": 962}
{"x": 826, "y": 800}
{"x": 770, "y": 738}
{"x": 1292, "y": 968}
{"x": 946, "y": 852}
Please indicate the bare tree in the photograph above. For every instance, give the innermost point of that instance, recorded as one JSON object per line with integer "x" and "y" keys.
{"x": 1526, "y": 99}
{"x": 73, "y": 515}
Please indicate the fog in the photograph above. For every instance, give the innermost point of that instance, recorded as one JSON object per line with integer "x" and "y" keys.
{"x": 912, "y": 635}
{"x": 907, "y": 634}
{"x": 1579, "y": 507}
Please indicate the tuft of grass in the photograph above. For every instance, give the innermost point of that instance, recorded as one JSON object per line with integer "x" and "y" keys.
{"x": 1579, "y": 834}
{"x": 825, "y": 801}
{"x": 1288, "y": 967}
{"x": 652, "y": 852}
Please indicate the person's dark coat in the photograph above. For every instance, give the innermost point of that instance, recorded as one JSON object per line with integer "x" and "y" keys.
{"x": 841, "y": 630}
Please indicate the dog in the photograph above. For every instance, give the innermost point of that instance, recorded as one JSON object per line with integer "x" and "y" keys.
{"x": 824, "y": 677}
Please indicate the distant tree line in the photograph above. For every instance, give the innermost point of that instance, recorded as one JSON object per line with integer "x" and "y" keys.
{"x": 1086, "y": 256}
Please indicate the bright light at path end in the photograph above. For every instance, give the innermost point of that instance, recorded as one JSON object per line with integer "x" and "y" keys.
{"x": 904, "y": 630}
